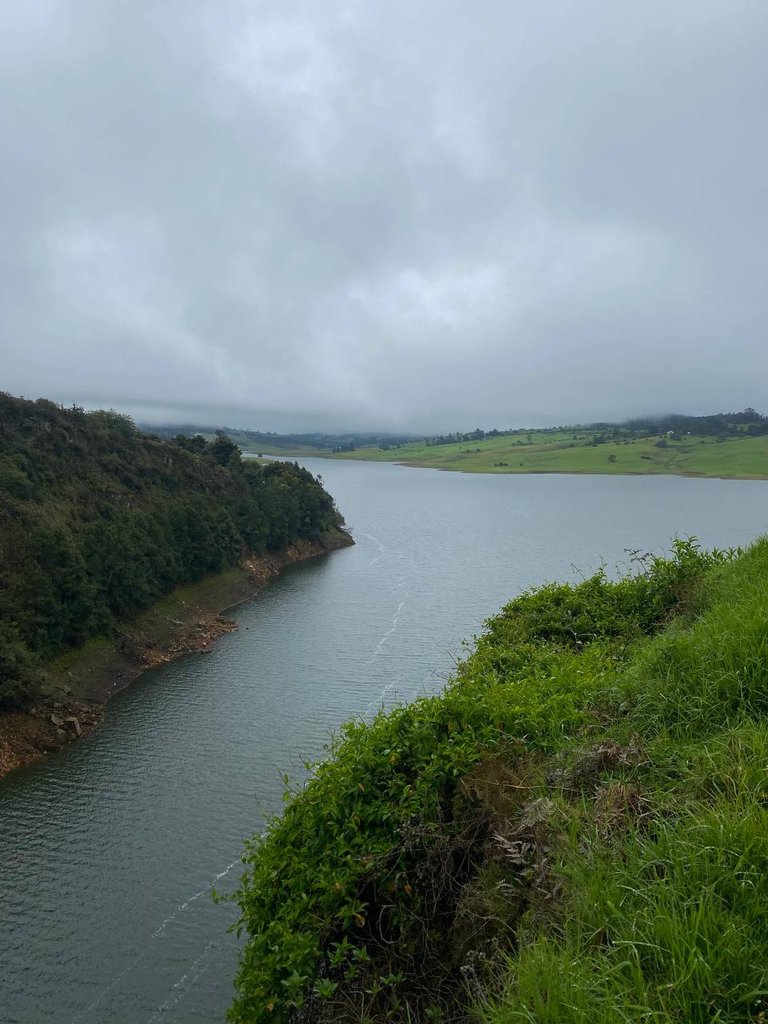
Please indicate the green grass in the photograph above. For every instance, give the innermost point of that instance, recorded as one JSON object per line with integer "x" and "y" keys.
{"x": 575, "y": 831}
{"x": 559, "y": 452}
{"x": 663, "y": 922}
{"x": 665, "y": 918}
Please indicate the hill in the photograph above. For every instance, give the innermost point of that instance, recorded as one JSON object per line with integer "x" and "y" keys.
{"x": 98, "y": 520}
{"x": 722, "y": 445}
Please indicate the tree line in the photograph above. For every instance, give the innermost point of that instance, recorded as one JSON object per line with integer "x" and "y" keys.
{"x": 256, "y": 440}
{"x": 721, "y": 425}
{"x": 98, "y": 520}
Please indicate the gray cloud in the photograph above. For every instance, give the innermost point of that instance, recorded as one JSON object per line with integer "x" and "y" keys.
{"x": 414, "y": 216}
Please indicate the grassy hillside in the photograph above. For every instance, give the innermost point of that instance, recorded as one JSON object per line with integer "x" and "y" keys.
{"x": 569, "y": 452}
{"x": 574, "y": 832}
{"x": 98, "y": 520}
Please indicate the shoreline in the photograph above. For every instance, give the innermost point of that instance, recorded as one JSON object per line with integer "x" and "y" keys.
{"x": 189, "y": 620}
{"x": 692, "y": 474}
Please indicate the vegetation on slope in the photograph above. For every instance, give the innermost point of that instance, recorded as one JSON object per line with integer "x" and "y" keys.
{"x": 721, "y": 426}
{"x": 722, "y": 446}
{"x": 97, "y": 520}
{"x": 574, "y": 831}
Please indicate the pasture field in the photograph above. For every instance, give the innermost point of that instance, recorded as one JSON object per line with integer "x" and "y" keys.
{"x": 574, "y": 452}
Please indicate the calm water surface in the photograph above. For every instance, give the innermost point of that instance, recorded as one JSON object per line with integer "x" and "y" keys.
{"x": 108, "y": 851}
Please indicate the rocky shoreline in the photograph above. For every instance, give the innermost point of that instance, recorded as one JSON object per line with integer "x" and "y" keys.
{"x": 28, "y": 736}
{"x": 75, "y": 703}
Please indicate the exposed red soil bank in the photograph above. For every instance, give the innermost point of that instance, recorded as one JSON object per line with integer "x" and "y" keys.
{"x": 188, "y": 622}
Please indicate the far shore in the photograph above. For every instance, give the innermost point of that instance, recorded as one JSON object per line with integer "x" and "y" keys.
{"x": 566, "y": 472}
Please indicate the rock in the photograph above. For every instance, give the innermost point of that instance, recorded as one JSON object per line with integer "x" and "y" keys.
{"x": 55, "y": 720}
{"x": 76, "y": 724}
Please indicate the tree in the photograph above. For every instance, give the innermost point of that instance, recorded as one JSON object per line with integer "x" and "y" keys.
{"x": 223, "y": 449}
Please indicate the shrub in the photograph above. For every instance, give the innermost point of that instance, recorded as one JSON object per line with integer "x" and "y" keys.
{"x": 349, "y": 898}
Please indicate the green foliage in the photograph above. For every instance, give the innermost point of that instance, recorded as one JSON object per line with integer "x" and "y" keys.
{"x": 223, "y": 451}
{"x": 666, "y": 922}
{"x": 350, "y": 899}
{"x": 665, "y": 916}
{"x": 715, "y": 672}
{"x": 545, "y": 621}
{"x": 338, "y": 868}
{"x": 19, "y": 673}
{"x": 98, "y": 520}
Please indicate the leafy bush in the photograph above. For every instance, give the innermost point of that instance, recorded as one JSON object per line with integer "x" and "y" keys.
{"x": 19, "y": 673}
{"x": 664, "y": 907}
{"x": 349, "y": 899}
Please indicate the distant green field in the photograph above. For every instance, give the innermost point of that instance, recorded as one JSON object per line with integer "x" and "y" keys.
{"x": 561, "y": 452}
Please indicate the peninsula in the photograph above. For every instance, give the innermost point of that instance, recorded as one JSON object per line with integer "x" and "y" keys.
{"x": 119, "y": 551}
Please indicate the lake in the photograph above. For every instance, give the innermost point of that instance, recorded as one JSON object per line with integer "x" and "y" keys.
{"x": 108, "y": 850}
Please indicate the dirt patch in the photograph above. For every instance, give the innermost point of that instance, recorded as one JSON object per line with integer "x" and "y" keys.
{"x": 193, "y": 638}
{"x": 620, "y": 807}
{"x": 585, "y": 773}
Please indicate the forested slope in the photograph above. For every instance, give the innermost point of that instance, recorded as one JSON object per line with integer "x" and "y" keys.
{"x": 97, "y": 520}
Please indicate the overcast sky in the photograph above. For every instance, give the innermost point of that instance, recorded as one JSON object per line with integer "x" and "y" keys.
{"x": 402, "y": 214}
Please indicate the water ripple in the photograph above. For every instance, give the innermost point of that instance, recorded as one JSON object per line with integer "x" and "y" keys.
{"x": 109, "y": 851}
